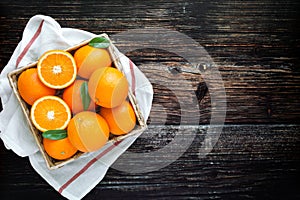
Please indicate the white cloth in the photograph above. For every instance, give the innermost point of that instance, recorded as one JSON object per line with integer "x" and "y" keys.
{"x": 75, "y": 179}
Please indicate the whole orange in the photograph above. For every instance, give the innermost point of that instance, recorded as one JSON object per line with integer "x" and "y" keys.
{"x": 108, "y": 87}
{"x": 120, "y": 119}
{"x": 88, "y": 59}
{"x": 59, "y": 149}
{"x": 73, "y": 97}
{"x": 31, "y": 88}
{"x": 88, "y": 131}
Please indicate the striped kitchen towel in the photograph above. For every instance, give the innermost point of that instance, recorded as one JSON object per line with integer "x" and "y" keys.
{"x": 76, "y": 179}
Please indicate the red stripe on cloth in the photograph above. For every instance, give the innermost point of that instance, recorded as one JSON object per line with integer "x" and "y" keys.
{"x": 132, "y": 77}
{"x": 88, "y": 165}
{"x": 25, "y": 50}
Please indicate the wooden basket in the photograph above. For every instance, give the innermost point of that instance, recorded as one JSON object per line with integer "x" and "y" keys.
{"x": 52, "y": 163}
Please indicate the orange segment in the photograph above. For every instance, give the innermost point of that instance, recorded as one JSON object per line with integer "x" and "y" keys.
{"x": 57, "y": 69}
{"x": 50, "y": 113}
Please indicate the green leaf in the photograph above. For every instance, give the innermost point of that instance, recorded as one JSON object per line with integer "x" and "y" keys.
{"x": 84, "y": 94}
{"x": 55, "y": 134}
{"x": 99, "y": 42}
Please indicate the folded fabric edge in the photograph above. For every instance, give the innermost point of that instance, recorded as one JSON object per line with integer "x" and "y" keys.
{"x": 8, "y": 143}
{"x": 47, "y": 177}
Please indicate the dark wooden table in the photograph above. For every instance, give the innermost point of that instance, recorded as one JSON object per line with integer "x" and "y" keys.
{"x": 255, "y": 45}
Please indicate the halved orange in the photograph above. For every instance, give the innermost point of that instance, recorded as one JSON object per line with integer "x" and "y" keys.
{"x": 50, "y": 113}
{"x": 57, "y": 69}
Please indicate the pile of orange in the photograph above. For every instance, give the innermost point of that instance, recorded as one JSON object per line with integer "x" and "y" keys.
{"x": 77, "y": 100}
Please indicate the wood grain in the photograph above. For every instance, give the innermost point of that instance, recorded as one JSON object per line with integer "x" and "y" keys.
{"x": 247, "y": 162}
{"x": 254, "y": 94}
{"x": 243, "y": 32}
{"x": 254, "y": 44}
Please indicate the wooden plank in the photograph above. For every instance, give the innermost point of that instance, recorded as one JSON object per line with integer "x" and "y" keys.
{"x": 254, "y": 94}
{"x": 253, "y": 43}
{"x": 248, "y": 161}
{"x": 255, "y": 46}
{"x": 237, "y": 31}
